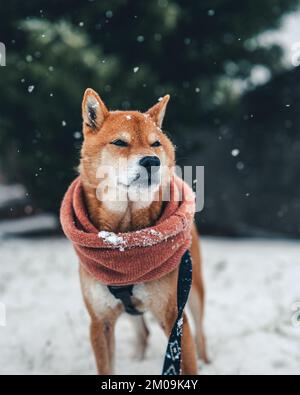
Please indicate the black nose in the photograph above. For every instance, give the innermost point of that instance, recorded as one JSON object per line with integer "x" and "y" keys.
{"x": 150, "y": 161}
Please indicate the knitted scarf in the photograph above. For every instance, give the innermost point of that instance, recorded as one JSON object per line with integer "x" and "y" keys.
{"x": 133, "y": 257}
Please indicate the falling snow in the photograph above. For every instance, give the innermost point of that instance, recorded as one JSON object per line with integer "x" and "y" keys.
{"x": 235, "y": 152}
{"x": 240, "y": 166}
{"x": 77, "y": 135}
{"x": 111, "y": 238}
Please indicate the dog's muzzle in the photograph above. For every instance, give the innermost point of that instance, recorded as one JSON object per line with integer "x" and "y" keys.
{"x": 152, "y": 166}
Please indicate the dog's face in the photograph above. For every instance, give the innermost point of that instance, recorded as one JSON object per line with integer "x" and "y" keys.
{"x": 128, "y": 148}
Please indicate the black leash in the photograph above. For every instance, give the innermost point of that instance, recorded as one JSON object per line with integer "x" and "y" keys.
{"x": 172, "y": 360}
{"x": 173, "y": 354}
{"x": 124, "y": 293}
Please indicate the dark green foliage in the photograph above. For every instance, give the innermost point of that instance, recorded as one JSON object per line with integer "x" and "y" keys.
{"x": 193, "y": 50}
{"x": 269, "y": 139}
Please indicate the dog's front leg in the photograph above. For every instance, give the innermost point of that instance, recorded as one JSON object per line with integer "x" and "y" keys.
{"x": 189, "y": 359}
{"x": 188, "y": 347}
{"x": 141, "y": 338}
{"x": 102, "y": 332}
{"x": 167, "y": 318}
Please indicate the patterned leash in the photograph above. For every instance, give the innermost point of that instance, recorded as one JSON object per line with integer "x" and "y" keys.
{"x": 173, "y": 354}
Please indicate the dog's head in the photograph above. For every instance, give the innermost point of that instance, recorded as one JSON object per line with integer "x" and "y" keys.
{"x": 128, "y": 148}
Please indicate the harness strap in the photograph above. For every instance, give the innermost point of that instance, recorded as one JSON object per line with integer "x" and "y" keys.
{"x": 124, "y": 293}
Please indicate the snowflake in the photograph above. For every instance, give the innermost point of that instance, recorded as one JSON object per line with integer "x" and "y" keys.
{"x": 235, "y": 152}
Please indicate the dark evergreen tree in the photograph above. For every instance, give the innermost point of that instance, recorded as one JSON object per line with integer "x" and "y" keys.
{"x": 193, "y": 50}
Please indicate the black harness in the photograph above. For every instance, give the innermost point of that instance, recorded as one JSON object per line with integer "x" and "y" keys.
{"x": 124, "y": 293}
{"x": 172, "y": 360}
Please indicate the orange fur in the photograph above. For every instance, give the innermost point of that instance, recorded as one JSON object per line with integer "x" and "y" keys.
{"x": 101, "y": 128}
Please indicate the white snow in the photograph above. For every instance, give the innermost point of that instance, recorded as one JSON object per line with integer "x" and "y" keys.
{"x": 155, "y": 233}
{"x": 77, "y": 135}
{"x": 31, "y": 88}
{"x": 111, "y": 238}
{"x": 11, "y": 192}
{"x": 252, "y": 287}
{"x": 145, "y": 237}
{"x": 235, "y": 152}
{"x": 240, "y": 166}
{"x": 36, "y": 223}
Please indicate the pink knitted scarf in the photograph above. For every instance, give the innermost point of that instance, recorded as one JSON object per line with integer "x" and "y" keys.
{"x": 133, "y": 257}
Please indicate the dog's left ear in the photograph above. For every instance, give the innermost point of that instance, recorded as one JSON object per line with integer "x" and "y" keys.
{"x": 94, "y": 110}
{"x": 158, "y": 111}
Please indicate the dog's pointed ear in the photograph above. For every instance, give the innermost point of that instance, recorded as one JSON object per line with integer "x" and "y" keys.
{"x": 94, "y": 110}
{"x": 157, "y": 112}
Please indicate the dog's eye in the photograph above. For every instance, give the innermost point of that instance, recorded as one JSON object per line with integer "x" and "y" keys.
{"x": 120, "y": 143}
{"x": 156, "y": 144}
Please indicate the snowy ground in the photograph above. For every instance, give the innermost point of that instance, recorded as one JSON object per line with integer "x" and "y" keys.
{"x": 251, "y": 286}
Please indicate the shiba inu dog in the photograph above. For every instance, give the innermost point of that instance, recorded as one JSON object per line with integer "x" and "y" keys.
{"x": 147, "y": 158}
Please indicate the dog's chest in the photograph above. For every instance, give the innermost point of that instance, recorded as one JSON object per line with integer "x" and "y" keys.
{"x": 146, "y": 296}
{"x": 101, "y": 300}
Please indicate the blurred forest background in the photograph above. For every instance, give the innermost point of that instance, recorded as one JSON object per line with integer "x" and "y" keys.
{"x": 234, "y": 108}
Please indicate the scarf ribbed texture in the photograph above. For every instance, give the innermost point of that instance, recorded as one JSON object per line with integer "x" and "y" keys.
{"x": 133, "y": 257}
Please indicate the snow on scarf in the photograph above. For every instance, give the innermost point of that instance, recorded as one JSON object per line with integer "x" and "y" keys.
{"x": 133, "y": 257}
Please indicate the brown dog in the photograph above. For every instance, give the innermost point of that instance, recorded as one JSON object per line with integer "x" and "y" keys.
{"x": 132, "y": 137}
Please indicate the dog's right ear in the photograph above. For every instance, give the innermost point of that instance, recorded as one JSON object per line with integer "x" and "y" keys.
{"x": 94, "y": 111}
